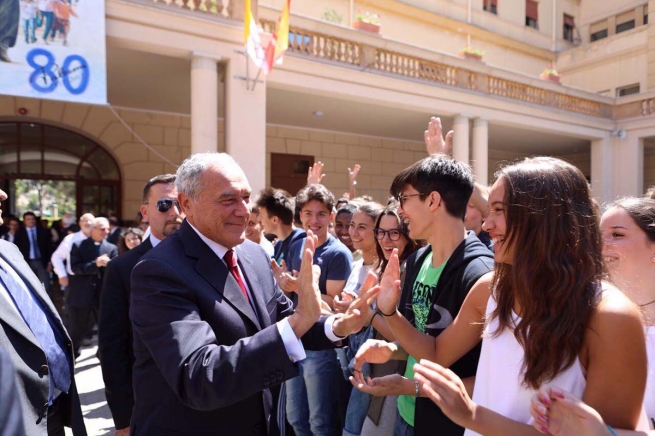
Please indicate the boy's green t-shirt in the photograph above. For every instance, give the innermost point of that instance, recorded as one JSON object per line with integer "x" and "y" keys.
{"x": 422, "y": 293}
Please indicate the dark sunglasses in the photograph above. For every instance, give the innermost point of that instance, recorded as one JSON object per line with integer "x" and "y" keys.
{"x": 394, "y": 234}
{"x": 165, "y": 204}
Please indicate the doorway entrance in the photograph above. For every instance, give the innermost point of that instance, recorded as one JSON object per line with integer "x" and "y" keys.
{"x": 289, "y": 171}
{"x": 53, "y": 171}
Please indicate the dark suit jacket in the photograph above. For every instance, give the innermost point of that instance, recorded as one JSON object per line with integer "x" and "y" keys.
{"x": 84, "y": 286}
{"x": 43, "y": 238}
{"x": 114, "y": 236}
{"x": 11, "y": 415}
{"x": 115, "y": 334}
{"x": 28, "y": 357}
{"x": 205, "y": 362}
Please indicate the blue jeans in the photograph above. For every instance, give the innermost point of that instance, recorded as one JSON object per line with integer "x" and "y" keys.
{"x": 359, "y": 401}
{"x": 402, "y": 428}
{"x": 49, "y": 18}
{"x": 312, "y": 396}
{"x": 28, "y": 30}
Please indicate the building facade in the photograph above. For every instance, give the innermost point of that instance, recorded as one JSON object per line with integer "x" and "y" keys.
{"x": 179, "y": 82}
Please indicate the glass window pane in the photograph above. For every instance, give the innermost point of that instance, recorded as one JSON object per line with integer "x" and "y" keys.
{"x": 88, "y": 171}
{"x": 30, "y": 160}
{"x": 60, "y": 163}
{"x": 89, "y": 194}
{"x": 8, "y": 149}
{"x": 63, "y": 140}
{"x": 105, "y": 164}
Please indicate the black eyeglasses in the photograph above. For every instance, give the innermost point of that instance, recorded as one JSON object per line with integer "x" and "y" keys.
{"x": 401, "y": 198}
{"x": 394, "y": 234}
{"x": 165, "y": 204}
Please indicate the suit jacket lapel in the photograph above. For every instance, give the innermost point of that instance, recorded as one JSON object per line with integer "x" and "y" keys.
{"x": 251, "y": 276}
{"x": 11, "y": 316}
{"x": 214, "y": 271}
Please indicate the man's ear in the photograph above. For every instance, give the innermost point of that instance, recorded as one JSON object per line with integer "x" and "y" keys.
{"x": 144, "y": 212}
{"x": 186, "y": 203}
{"x": 434, "y": 200}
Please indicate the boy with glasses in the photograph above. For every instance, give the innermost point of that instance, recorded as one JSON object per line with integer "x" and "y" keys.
{"x": 433, "y": 195}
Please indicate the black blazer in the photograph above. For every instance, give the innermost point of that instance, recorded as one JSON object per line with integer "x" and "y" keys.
{"x": 205, "y": 362}
{"x": 28, "y": 357}
{"x": 114, "y": 236}
{"x": 43, "y": 239}
{"x": 115, "y": 334}
{"x": 84, "y": 285}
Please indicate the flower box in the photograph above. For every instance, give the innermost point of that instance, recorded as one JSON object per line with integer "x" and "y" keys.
{"x": 472, "y": 56}
{"x": 550, "y": 76}
{"x": 365, "y": 26}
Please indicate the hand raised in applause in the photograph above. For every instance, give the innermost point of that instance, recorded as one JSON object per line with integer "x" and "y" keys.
{"x": 446, "y": 390}
{"x": 390, "y": 286}
{"x": 393, "y": 384}
{"x": 308, "y": 309}
{"x": 285, "y": 280}
{"x": 434, "y": 140}
{"x": 359, "y": 312}
{"x": 374, "y": 351}
{"x": 315, "y": 174}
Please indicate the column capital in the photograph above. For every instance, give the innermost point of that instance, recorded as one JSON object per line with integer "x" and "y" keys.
{"x": 480, "y": 122}
{"x": 204, "y": 58}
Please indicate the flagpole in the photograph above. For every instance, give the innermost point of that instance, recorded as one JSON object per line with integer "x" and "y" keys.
{"x": 256, "y": 79}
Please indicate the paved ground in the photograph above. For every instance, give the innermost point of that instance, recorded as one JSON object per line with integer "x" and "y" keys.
{"x": 92, "y": 393}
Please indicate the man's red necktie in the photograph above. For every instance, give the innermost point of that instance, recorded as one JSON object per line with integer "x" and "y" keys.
{"x": 231, "y": 260}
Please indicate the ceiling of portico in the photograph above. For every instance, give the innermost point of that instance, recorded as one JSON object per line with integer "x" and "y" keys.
{"x": 159, "y": 83}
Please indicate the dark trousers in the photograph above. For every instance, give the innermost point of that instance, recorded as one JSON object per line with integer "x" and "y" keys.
{"x": 9, "y": 22}
{"x": 55, "y": 419}
{"x": 80, "y": 321}
{"x": 37, "y": 267}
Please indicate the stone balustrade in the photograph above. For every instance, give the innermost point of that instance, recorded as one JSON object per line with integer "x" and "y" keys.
{"x": 326, "y": 47}
{"x": 346, "y": 47}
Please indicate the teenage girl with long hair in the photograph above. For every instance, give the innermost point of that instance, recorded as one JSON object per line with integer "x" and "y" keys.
{"x": 545, "y": 315}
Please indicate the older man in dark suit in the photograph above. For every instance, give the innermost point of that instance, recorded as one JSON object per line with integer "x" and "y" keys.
{"x": 34, "y": 337}
{"x": 89, "y": 258}
{"x": 162, "y": 211}
{"x": 213, "y": 334}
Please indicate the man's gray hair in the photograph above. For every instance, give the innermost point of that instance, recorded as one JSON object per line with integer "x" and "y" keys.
{"x": 188, "y": 175}
{"x": 99, "y": 220}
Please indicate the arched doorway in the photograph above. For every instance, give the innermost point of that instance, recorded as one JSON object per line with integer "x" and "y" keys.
{"x": 53, "y": 155}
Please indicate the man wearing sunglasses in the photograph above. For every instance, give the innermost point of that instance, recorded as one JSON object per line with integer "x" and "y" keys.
{"x": 161, "y": 209}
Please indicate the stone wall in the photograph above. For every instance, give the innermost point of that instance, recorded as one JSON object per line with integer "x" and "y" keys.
{"x": 381, "y": 159}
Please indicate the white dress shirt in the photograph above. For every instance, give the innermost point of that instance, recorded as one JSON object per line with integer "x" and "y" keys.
{"x": 61, "y": 258}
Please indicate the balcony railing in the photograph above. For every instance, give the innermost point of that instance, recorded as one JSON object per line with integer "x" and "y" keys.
{"x": 232, "y": 9}
{"x": 340, "y": 50}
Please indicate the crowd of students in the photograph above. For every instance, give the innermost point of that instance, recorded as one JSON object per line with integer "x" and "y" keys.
{"x": 490, "y": 299}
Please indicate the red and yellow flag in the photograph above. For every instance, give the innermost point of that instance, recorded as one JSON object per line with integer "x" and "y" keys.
{"x": 280, "y": 41}
{"x": 252, "y": 39}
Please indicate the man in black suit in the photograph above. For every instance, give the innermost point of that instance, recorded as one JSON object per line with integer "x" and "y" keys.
{"x": 35, "y": 243}
{"x": 160, "y": 208}
{"x": 89, "y": 258}
{"x": 214, "y": 336}
{"x": 39, "y": 347}
{"x": 114, "y": 230}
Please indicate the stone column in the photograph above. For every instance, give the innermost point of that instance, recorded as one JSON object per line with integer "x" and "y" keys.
{"x": 602, "y": 169}
{"x": 481, "y": 151}
{"x": 204, "y": 103}
{"x": 461, "y": 139}
{"x": 245, "y": 120}
{"x": 651, "y": 47}
{"x": 630, "y": 158}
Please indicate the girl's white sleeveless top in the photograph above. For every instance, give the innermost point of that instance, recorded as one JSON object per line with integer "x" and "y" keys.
{"x": 649, "y": 396}
{"x": 498, "y": 382}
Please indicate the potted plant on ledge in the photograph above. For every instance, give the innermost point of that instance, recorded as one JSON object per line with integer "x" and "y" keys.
{"x": 367, "y": 22}
{"x": 471, "y": 53}
{"x": 551, "y": 74}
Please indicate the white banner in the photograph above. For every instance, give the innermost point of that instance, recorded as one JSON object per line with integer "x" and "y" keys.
{"x": 53, "y": 49}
